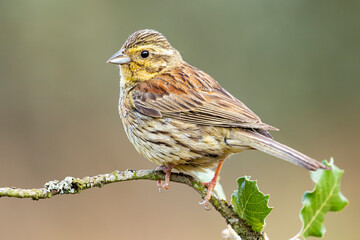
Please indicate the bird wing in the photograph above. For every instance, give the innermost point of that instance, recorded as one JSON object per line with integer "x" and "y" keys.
{"x": 190, "y": 95}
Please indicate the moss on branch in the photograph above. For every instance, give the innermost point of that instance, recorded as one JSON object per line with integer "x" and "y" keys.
{"x": 71, "y": 185}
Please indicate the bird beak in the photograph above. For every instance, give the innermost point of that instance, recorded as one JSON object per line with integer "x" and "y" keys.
{"x": 119, "y": 58}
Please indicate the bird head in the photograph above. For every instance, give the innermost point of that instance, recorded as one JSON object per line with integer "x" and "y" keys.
{"x": 144, "y": 55}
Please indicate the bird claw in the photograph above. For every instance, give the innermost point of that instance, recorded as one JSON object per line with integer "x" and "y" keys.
{"x": 167, "y": 171}
{"x": 205, "y": 203}
{"x": 210, "y": 187}
{"x": 158, "y": 184}
{"x": 166, "y": 186}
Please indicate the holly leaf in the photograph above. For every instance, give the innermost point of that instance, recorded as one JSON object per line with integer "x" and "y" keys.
{"x": 325, "y": 197}
{"x": 250, "y": 204}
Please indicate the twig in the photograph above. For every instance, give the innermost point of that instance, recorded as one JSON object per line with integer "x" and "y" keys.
{"x": 71, "y": 185}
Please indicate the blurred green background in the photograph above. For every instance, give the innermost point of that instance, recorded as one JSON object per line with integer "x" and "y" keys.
{"x": 294, "y": 63}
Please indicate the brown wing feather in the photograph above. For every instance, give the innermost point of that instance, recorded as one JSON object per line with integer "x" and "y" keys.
{"x": 190, "y": 95}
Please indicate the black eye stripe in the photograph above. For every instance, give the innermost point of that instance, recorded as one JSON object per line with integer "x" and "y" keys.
{"x": 144, "y": 54}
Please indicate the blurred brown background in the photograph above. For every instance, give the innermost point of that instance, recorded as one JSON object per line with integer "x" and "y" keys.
{"x": 295, "y": 63}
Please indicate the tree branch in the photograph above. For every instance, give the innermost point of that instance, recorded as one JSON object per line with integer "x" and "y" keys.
{"x": 71, "y": 185}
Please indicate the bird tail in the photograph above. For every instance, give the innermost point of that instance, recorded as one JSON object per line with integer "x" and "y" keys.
{"x": 270, "y": 146}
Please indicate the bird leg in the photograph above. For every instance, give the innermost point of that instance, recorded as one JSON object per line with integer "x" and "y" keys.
{"x": 167, "y": 171}
{"x": 211, "y": 185}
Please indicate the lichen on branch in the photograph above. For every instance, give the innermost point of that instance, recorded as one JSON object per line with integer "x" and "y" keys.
{"x": 71, "y": 185}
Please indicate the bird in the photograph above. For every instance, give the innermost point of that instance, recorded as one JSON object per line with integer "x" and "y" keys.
{"x": 179, "y": 117}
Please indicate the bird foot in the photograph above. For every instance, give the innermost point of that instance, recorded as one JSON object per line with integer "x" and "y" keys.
{"x": 210, "y": 188}
{"x": 167, "y": 171}
{"x": 211, "y": 185}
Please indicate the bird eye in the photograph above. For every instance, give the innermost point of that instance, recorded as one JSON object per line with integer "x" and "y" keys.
{"x": 144, "y": 54}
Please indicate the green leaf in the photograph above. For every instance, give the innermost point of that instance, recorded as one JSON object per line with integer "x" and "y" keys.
{"x": 250, "y": 204}
{"x": 325, "y": 197}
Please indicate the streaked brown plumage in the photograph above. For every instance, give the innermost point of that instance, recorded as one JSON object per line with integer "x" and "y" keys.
{"x": 179, "y": 117}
